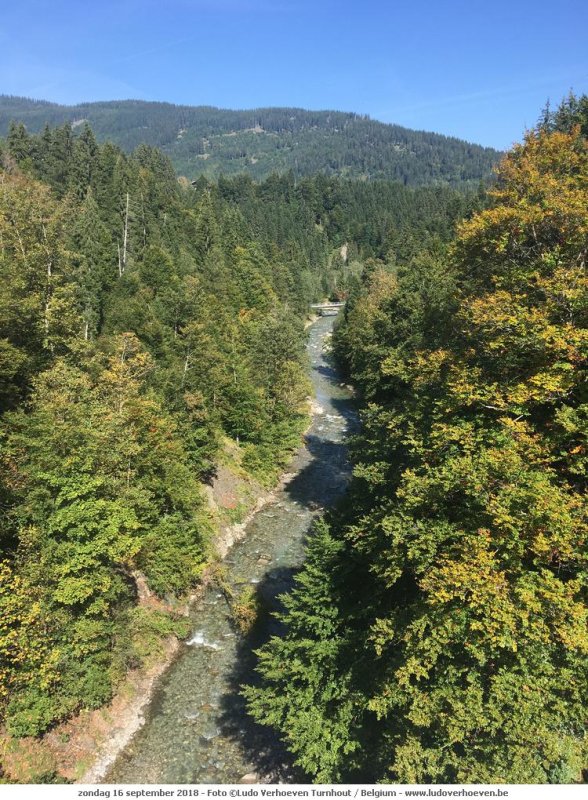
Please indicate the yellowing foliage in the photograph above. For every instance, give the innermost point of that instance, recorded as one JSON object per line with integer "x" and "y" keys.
{"x": 462, "y": 577}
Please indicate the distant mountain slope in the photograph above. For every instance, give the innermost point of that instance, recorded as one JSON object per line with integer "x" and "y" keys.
{"x": 209, "y": 141}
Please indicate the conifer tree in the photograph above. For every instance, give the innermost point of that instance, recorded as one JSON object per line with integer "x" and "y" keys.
{"x": 83, "y": 162}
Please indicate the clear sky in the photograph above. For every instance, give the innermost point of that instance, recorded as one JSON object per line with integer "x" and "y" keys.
{"x": 480, "y": 70}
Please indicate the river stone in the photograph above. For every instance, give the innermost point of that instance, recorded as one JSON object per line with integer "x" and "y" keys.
{"x": 251, "y": 777}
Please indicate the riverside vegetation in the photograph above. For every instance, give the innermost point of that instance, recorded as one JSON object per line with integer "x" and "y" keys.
{"x": 144, "y": 322}
{"x": 437, "y": 631}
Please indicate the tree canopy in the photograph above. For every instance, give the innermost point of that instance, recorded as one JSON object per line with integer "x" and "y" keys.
{"x": 203, "y": 140}
{"x": 438, "y": 630}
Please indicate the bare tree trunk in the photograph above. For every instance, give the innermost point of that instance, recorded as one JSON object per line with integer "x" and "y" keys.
{"x": 123, "y": 262}
{"x": 186, "y": 365}
{"x": 144, "y": 222}
{"x": 48, "y": 288}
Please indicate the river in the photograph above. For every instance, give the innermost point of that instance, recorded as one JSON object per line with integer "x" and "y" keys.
{"x": 196, "y": 728}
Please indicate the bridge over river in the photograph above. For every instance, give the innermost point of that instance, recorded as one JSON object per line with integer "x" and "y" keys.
{"x": 327, "y": 309}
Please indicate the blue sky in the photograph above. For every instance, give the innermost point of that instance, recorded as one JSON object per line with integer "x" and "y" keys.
{"x": 478, "y": 70}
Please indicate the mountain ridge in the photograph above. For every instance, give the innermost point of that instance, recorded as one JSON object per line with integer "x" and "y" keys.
{"x": 210, "y": 141}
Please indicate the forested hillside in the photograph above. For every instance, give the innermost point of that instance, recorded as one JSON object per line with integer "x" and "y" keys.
{"x": 211, "y": 141}
{"x": 143, "y": 322}
{"x": 437, "y": 632}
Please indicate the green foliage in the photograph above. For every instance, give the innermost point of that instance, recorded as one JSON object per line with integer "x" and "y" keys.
{"x": 142, "y": 321}
{"x": 213, "y": 142}
{"x": 31, "y": 711}
{"x": 38, "y": 311}
{"x": 573, "y": 111}
{"x": 245, "y": 609}
{"x": 139, "y": 324}
{"x": 172, "y": 555}
{"x": 267, "y": 457}
{"x": 445, "y": 612}
{"x": 100, "y": 485}
{"x": 139, "y": 635}
{"x": 308, "y": 692}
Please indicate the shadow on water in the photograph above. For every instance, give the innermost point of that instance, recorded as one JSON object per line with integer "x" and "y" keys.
{"x": 259, "y": 745}
{"x": 329, "y": 372}
{"x": 326, "y": 475}
{"x": 317, "y": 486}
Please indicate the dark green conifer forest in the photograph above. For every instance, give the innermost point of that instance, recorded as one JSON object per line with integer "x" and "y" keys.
{"x": 202, "y": 140}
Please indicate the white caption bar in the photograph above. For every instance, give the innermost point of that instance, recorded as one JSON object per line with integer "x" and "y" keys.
{"x": 289, "y": 792}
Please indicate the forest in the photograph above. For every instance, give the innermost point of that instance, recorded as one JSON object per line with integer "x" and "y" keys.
{"x": 213, "y": 142}
{"x": 145, "y": 321}
{"x": 437, "y": 632}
